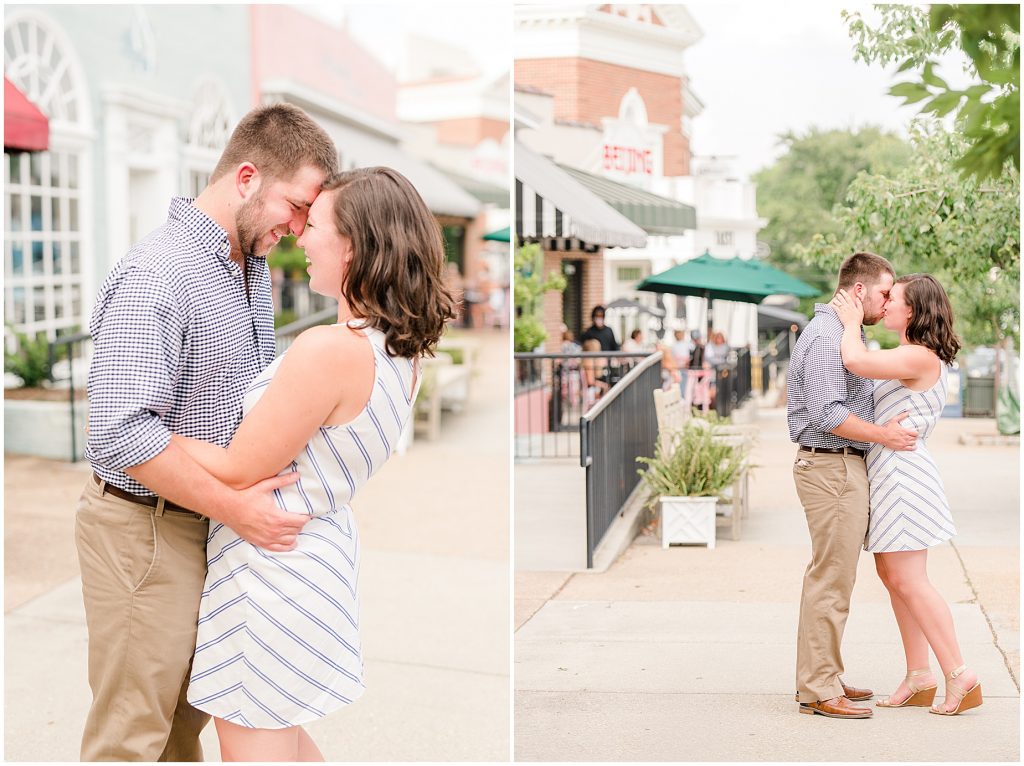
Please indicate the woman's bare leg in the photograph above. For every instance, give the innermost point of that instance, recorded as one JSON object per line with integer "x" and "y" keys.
{"x": 907, "y": 572}
{"x": 308, "y": 751}
{"x": 239, "y": 743}
{"x": 915, "y": 644}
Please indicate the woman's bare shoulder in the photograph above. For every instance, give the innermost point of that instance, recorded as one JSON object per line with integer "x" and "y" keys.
{"x": 329, "y": 346}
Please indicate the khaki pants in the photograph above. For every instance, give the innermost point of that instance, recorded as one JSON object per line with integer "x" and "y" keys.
{"x": 833, "y": 489}
{"x": 143, "y": 573}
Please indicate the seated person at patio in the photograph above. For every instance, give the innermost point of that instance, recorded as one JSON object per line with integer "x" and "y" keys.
{"x": 698, "y": 389}
{"x": 715, "y": 354}
{"x": 697, "y": 351}
{"x": 568, "y": 370}
{"x": 595, "y": 372}
{"x": 569, "y": 344}
{"x": 681, "y": 350}
{"x": 600, "y": 332}
{"x": 670, "y": 375}
{"x": 633, "y": 344}
{"x": 717, "y": 351}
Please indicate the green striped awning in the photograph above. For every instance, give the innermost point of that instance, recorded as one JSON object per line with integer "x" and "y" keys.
{"x": 652, "y": 213}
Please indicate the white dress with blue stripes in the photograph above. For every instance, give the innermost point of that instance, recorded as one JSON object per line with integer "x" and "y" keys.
{"x": 909, "y": 509}
{"x": 278, "y": 642}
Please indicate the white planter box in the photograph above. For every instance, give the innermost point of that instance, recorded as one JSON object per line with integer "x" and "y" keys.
{"x": 688, "y": 520}
{"x": 44, "y": 428}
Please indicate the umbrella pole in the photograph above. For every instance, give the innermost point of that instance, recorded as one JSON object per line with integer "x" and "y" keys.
{"x": 708, "y": 304}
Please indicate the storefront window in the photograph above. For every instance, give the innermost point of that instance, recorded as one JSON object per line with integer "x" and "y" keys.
{"x": 42, "y": 229}
{"x": 454, "y": 246}
{"x": 42, "y": 238}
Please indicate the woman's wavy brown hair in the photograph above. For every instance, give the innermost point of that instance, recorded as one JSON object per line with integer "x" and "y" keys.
{"x": 395, "y": 280}
{"x": 931, "y": 315}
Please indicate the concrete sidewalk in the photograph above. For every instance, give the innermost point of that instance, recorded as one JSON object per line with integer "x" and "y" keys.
{"x": 688, "y": 653}
{"x": 435, "y": 531}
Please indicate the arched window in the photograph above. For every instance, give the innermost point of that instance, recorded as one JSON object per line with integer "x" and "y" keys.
{"x": 46, "y": 229}
{"x": 632, "y": 108}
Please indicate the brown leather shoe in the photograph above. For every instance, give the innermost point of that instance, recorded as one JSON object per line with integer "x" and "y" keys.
{"x": 851, "y": 693}
{"x": 856, "y": 695}
{"x": 839, "y": 707}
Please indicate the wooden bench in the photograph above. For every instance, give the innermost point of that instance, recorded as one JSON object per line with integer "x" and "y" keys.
{"x": 734, "y": 505}
{"x": 440, "y": 377}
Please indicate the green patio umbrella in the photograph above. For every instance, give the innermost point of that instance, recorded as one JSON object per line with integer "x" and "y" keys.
{"x": 501, "y": 235}
{"x": 728, "y": 279}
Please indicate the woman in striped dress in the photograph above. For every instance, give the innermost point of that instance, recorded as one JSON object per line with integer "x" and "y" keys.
{"x": 278, "y": 643}
{"x": 909, "y": 510}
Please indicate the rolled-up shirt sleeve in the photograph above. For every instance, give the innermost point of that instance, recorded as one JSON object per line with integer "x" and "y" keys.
{"x": 137, "y": 331}
{"x": 825, "y": 384}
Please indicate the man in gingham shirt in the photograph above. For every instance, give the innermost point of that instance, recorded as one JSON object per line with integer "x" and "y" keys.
{"x": 181, "y": 326}
{"x": 831, "y": 416}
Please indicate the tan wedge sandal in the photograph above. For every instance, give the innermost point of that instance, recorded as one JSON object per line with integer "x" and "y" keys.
{"x": 920, "y": 696}
{"x": 966, "y": 698}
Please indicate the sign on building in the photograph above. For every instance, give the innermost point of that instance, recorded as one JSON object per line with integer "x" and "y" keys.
{"x": 631, "y": 147}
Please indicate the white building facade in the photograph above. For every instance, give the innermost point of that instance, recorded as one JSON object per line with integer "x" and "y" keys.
{"x": 127, "y": 132}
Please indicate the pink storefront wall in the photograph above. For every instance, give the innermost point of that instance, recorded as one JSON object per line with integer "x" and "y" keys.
{"x": 286, "y": 43}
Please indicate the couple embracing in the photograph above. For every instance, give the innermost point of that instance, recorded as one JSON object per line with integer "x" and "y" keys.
{"x": 866, "y": 480}
{"x": 219, "y": 552}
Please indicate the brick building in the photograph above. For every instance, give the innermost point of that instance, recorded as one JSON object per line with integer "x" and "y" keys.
{"x": 457, "y": 119}
{"x": 614, "y": 99}
{"x": 572, "y": 225}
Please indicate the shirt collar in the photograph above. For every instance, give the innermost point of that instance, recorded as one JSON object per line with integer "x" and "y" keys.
{"x": 825, "y": 308}
{"x": 206, "y": 231}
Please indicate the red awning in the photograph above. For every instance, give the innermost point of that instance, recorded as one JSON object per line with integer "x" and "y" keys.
{"x": 25, "y": 127}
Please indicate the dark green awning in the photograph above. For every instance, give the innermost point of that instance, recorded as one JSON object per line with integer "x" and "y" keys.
{"x": 652, "y": 213}
{"x": 728, "y": 279}
{"x": 501, "y": 235}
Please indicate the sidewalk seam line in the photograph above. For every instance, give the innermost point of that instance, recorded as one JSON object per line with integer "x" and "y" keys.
{"x": 545, "y": 601}
{"x": 984, "y": 612}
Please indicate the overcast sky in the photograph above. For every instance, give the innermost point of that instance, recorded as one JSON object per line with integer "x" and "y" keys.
{"x": 482, "y": 29}
{"x": 763, "y": 68}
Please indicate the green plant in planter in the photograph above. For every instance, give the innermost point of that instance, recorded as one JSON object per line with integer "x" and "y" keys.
{"x": 696, "y": 464}
{"x": 32, "y": 361}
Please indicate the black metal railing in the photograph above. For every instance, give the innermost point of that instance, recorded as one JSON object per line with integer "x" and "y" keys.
{"x": 293, "y": 296}
{"x": 613, "y": 434}
{"x": 732, "y": 382}
{"x": 69, "y": 346}
{"x": 774, "y": 356}
{"x": 552, "y": 391}
{"x": 286, "y": 334}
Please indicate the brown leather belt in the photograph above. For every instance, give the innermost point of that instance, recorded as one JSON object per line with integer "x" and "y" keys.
{"x": 148, "y": 501}
{"x": 834, "y": 451}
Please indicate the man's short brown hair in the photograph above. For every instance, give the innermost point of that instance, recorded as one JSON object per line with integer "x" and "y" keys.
{"x": 280, "y": 140}
{"x": 866, "y": 268}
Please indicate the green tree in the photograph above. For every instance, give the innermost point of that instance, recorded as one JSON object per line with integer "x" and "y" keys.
{"x": 288, "y": 257}
{"x": 988, "y": 111}
{"x": 530, "y": 284}
{"x": 798, "y": 192}
{"x": 929, "y": 217}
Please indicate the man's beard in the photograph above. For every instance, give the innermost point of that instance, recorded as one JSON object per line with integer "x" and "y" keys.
{"x": 248, "y": 226}
{"x": 872, "y": 319}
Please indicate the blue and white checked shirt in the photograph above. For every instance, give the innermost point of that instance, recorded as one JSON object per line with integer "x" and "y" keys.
{"x": 821, "y": 392}
{"x": 176, "y": 341}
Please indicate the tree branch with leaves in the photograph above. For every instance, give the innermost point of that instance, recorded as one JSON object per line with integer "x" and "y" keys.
{"x": 987, "y": 112}
{"x": 529, "y": 286}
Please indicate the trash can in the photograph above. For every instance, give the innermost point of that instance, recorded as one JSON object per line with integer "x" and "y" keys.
{"x": 979, "y": 397}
